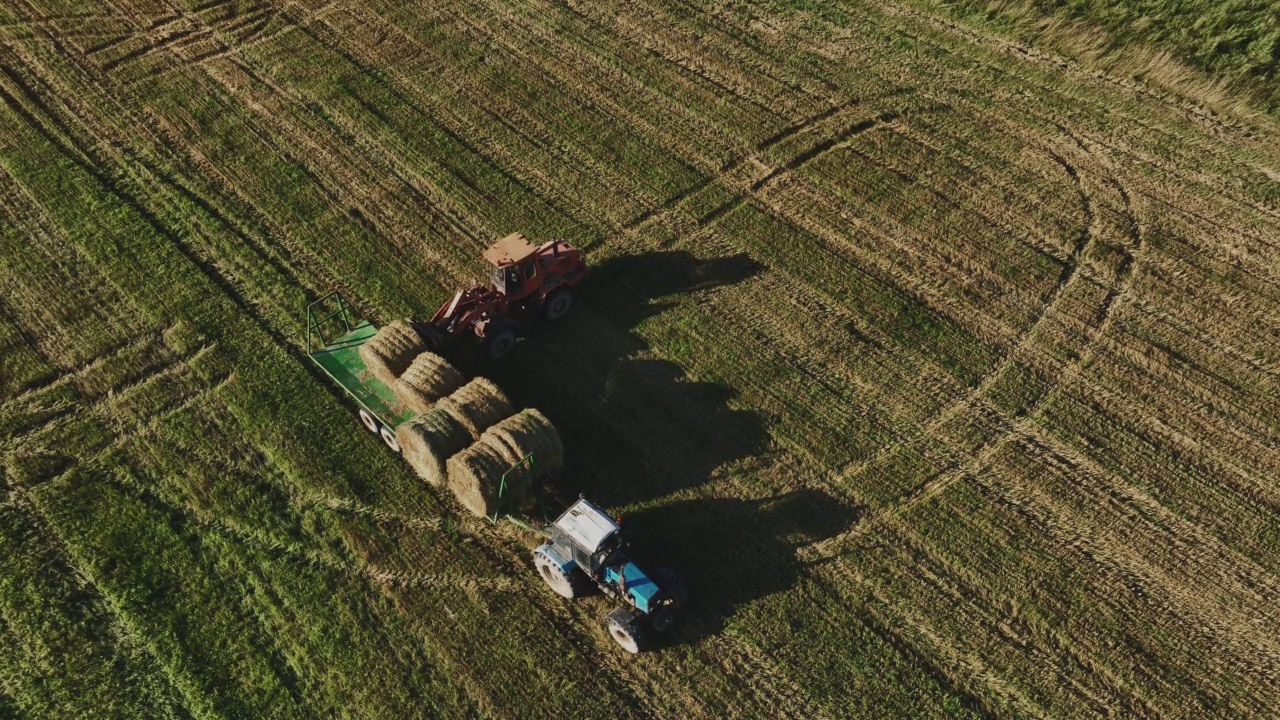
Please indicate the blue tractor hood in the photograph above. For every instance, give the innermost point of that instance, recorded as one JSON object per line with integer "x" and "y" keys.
{"x": 642, "y": 589}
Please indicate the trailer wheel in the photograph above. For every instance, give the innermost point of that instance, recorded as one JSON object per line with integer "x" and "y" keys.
{"x": 557, "y": 304}
{"x": 567, "y": 585}
{"x": 369, "y": 421}
{"x": 499, "y": 339}
{"x": 389, "y": 438}
{"x": 626, "y": 631}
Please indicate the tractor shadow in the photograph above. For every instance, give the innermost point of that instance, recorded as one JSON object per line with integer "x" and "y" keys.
{"x": 729, "y": 552}
{"x": 634, "y": 427}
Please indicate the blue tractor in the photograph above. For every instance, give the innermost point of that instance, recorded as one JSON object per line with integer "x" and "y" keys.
{"x": 586, "y": 549}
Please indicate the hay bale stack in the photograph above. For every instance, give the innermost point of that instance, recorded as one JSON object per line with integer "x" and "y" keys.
{"x": 390, "y": 352}
{"x": 478, "y": 405}
{"x": 429, "y": 440}
{"x": 475, "y": 474}
{"x": 429, "y": 378}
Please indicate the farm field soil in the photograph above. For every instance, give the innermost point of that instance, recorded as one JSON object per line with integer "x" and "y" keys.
{"x": 943, "y": 370}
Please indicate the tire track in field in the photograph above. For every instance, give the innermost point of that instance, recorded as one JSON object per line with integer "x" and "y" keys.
{"x": 1104, "y": 313}
{"x": 125, "y": 629}
{"x": 1026, "y": 344}
{"x": 163, "y": 367}
{"x": 228, "y": 286}
{"x": 64, "y": 142}
{"x": 279, "y": 254}
{"x": 228, "y": 43}
{"x": 1022, "y": 53}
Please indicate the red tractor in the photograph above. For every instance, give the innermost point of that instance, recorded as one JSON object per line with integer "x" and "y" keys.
{"x": 525, "y": 279}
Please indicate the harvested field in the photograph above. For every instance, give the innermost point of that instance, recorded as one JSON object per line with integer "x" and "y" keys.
{"x": 478, "y": 405}
{"x": 937, "y": 352}
{"x": 427, "y": 379}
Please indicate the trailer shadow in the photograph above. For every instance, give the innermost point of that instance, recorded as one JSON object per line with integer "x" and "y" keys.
{"x": 729, "y": 552}
{"x": 635, "y": 427}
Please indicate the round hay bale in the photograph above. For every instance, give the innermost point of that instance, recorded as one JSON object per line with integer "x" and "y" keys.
{"x": 429, "y": 440}
{"x": 478, "y": 405}
{"x": 475, "y": 476}
{"x": 428, "y": 378}
{"x": 390, "y": 352}
{"x": 528, "y": 432}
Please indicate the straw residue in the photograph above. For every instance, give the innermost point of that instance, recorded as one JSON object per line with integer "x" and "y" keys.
{"x": 429, "y": 378}
{"x": 429, "y": 440}
{"x": 390, "y": 352}
{"x": 475, "y": 474}
{"x": 478, "y": 405}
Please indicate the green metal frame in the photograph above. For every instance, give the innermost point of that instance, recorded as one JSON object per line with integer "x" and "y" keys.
{"x": 340, "y": 359}
{"x": 526, "y": 461}
{"x": 344, "y": 311}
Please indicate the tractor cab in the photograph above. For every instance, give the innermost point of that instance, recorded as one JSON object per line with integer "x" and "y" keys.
{"x": 586, "y": 535}
{"x": 515, "y": 266}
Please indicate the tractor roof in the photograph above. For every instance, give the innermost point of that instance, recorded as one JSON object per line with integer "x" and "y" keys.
{"x": 586, "y": 524}
{"x": 510, "y": 250}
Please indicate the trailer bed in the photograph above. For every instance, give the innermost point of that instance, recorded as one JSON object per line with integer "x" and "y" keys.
{"x": 341, "y": 361}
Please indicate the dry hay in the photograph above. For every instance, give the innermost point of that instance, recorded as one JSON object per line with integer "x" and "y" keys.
{"x": 390, "y": 352}
{"x": 478, "y": 405}
{"x": 429, "y": 440}
{"x": 429, "y": 378}
{"x": 475, "y": 474}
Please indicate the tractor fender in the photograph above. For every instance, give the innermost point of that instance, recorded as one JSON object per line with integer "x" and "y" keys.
{"x": 551, "y": 284}
{"x": 549, "y": 551}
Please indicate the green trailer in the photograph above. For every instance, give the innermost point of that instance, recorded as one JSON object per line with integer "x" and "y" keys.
{"x": 335, "y": 332}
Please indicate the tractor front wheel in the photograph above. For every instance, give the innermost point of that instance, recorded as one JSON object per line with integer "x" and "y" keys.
{"x": 557, "y": 304}
{"x": 499, "y": 339}
{"x": 431, "y": 337}
{"x": 568, "y": 585}
{"x": 626, "y": 630}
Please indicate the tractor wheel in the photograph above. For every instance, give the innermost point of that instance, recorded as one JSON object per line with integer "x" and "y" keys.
{"x": 626, "y": 631}
{"x": 557, "y": 304}
{"x": 368, "y": 420}
{"x": 389, "y": 437}
{"x": 567, "y": 585}
{"x": 499, "y": 339}
{"x": 431, "y": 337}
{"x": 668, "y": 581}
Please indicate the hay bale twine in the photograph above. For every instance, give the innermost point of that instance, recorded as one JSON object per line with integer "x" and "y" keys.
{"x": 390, "y": 352}
{"x": 429, "y": 440}
{"x": 478, "y": 405}
{"x": 475, "y": 474}
{"x": 428, "y": 378}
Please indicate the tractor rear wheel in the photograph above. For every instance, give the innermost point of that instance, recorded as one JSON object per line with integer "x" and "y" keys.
{"x": 568, "y": 585}
{"x": 389, "y": 437}
{"x": 557, "y": 304}
{"x": 626, "y": 630}
{"x": 499, "y": 339}
{"x": 368, "y": 420}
